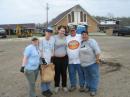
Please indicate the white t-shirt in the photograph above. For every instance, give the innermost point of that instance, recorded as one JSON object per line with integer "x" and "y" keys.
{"x": 73, "y": 46}
{"x": 88, "y": 51}
{"x": 47, "y": 48}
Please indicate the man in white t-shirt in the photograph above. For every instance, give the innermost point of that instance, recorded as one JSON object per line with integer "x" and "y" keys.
{"x": 47, "y": 51}
{"x": 73, "y": 46}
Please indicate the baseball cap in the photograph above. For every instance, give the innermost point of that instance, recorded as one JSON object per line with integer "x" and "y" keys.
{"x": 49, "y": 30}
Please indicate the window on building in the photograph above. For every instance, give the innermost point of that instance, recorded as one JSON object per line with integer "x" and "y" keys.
{"x": 81, "y": 16}
{"x": 69, "y": 18}
{"x": 85, "y": 17}
{"x": 72, "y": 16}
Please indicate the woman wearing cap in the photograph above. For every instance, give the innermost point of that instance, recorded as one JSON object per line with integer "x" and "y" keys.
{"x": 60, "y": 59}
{"x": 47, "y": 51}
{"x": 30, "y": 65}
{"x": 89, "y": 58}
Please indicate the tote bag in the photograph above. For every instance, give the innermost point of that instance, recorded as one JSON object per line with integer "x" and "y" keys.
{"x": 47, "y": 73}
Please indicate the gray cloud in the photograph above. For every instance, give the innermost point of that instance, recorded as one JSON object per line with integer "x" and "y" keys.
{"x": 24, "y": 11}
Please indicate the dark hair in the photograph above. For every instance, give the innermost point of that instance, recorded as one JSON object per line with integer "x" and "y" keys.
{"x": 61, "y": 26}
{"x": 34, "y": 39}
{"x": 84, "y": 32}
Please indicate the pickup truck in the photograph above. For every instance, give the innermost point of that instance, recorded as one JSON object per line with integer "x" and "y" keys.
{"x": 122, "y": 31}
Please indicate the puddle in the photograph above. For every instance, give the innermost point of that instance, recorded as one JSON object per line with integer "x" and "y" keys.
{"x": 108, "y": 67}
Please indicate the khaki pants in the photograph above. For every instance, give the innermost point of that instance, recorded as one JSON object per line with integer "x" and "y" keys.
{"x": 31, "y": 76}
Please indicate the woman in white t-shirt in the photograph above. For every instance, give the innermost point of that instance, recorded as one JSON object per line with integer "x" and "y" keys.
{"x": 47, "y": 51}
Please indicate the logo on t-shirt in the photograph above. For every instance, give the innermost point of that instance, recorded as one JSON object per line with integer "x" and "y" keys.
{"x": 73, "y": 44}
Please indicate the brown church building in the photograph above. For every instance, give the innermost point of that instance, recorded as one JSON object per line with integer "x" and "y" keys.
{"x": 74, "y": 16}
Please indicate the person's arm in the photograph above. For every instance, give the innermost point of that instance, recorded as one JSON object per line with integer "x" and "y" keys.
{"x": 41, "y": 48}
{"x": 25, "y": 59}
{"x": 97, "y": 51}
{"x": 53, "y": 40}
{"x": 53, "y": 50}
{"x": 98, "y": 58}
{"x": 24, "y": 62}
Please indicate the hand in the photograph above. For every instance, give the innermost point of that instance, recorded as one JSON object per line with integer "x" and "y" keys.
{"x": 44, "y": 61}
{"x": 22, "y": 69}
{"x": 52, "y": 59}
{"x": 97, "y": 61}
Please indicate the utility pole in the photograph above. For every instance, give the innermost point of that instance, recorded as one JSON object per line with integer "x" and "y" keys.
{"x": 47, "y": 8}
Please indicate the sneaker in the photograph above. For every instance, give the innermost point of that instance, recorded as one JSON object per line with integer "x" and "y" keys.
{"x": 50, "y": 92}
{"x": 86, "y": 90}
{"x": 46, "y": 93}
{"x": 57, "y": 89}
{"x": 72, "y": 89}
{"x": 81, "y": 89}
{"x": 65, "y": 89}
{"x": 92, "y": 93}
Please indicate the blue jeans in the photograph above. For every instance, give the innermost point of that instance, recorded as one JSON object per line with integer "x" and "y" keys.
{"x": 91, "y": 74}
{"x": 73, "y": 68}
{"x": 45, "y": 86}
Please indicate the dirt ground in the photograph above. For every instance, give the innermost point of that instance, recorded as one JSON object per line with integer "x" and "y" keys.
{"x": 115, "y": 78}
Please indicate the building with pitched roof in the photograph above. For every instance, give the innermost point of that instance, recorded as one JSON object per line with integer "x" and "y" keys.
{"x": 74, "y": 16}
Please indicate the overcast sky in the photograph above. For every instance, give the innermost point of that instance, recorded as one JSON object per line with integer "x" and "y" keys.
{"x": 34, "y": 11}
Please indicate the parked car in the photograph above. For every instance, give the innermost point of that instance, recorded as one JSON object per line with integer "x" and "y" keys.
{"x": 3, "y": 33}
{"x": 122, "y": 31}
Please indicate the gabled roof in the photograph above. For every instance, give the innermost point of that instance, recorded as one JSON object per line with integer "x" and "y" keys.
{"x": 62, "y": 15}
{"x": 59, "y": 17}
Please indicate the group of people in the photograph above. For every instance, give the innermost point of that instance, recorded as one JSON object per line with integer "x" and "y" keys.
{"x": 76, "y": 53}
